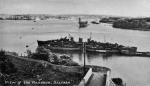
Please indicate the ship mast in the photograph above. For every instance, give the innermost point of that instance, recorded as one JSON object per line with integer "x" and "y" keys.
{"x": 79, "y": 22}
{"x": 82, "y": 24}
{"x": 84, "y": 52}
{"x": 104, "y": 39}
{"x": 90, "y": 35}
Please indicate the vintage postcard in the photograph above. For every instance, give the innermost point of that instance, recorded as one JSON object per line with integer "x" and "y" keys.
{"x": 74, "y": 42}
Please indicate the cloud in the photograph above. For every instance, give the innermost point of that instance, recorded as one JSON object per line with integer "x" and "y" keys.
{"x": 146, "y": 3}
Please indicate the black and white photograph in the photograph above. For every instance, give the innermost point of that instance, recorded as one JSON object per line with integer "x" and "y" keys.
{"x": 74, "y": 42}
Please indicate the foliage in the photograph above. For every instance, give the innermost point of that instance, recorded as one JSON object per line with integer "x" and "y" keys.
{"x": 2, "y": 55}
{"x": 46, "y": 55}
{"x": 42, "y": 50}
{"x": 40, "y": 56}
{"x": 131, "y": 23}
{"x": 6, "y": 66}
{"x": 29, "y": 53}
{"x": 71, "y": 63}
{"x": 33, "y": 69}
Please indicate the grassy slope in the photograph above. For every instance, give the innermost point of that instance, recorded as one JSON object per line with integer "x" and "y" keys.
{"x": 34, "y": 70}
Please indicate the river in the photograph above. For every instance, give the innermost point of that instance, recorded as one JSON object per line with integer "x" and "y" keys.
{"x": 15, "y": 35}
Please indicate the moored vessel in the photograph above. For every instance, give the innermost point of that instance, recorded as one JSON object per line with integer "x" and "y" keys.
{"x": 68, "y": 44}
{"x": 62, "y": 44}
{"x": 82, "y": 24}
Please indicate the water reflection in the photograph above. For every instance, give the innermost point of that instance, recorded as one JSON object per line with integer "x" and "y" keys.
{"x": 78, "y": 56}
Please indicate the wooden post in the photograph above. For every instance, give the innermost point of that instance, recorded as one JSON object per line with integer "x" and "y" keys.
{"x": 84, "y": 52}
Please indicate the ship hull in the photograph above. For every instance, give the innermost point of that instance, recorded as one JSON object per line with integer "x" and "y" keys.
{"x": 64, "y": 49}
{"x": 102, "y": 51}
{"x": 94, "y": 50}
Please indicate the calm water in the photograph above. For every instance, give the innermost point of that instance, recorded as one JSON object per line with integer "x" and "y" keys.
{"x": 15, "y": 35}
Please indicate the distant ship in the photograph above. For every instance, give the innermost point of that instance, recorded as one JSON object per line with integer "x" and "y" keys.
{"x": 94, "y": 22}
{"x": 36, "y": 19}
{"x": 82, "y": 24}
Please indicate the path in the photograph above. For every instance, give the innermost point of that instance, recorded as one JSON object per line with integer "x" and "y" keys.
{"x": 97, "y": 79}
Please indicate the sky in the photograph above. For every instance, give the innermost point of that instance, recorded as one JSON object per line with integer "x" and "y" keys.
{"x": 99, "y": 7}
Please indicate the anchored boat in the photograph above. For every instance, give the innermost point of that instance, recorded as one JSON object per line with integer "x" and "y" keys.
{"x": 68, "y": 43}
{"x": 82, "y": 24}
{"x": 62, "y": 44}
{"x": 117, "y": 82}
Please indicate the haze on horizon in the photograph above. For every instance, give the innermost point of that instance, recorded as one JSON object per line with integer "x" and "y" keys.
{"x": 134, "y": 8}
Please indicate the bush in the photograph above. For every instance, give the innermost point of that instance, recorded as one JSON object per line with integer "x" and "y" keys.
{"x": 42, "y": 50}
{"x": 71, "y": 63}
{"x": 64, "y": 57}
{"x": 2, "y": 55}
{"x": 6, "y": 66}
{"x": 131, "y": 24}
{"x": 33, "y": 69}
{"x": 40, "y": 56}
{"x": 46, "y": 55}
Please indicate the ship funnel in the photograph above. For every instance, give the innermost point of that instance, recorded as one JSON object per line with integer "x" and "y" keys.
{"x": 80, "y": 40}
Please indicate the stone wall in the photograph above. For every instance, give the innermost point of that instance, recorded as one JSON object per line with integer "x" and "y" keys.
{"x": 86, "y": 78}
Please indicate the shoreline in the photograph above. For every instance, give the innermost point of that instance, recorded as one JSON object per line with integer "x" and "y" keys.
{"x": 138, "y": 29}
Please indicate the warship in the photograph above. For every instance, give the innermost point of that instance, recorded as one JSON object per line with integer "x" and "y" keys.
{"x": 62, "y": 44}
{"x": 94, "y": 46}
{"x": 69, "y": 44}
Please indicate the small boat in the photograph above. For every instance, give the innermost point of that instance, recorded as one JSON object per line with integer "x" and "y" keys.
{"x": 94, "y": 22}
{"x": 117, "y": 82}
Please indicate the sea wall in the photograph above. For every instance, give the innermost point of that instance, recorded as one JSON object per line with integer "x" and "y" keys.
{"x": 108, "y": 78}
{"x": 109, "y": 81}
{"x": 86, "y": 78}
